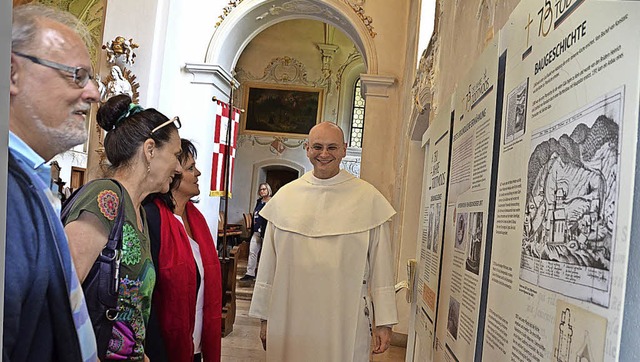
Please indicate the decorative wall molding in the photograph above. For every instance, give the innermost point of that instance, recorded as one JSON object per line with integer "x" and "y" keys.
{"x": 374, "y": 85}
{"x": 283, "y": 70}
{"x": 300, "y": 7}
{"x": 212, "y": 74}
{"x": 354, "y": 56}
{"x": 359, "y": 10}
{"x": 327, "y": 51}
{"x": 226, "y": 11}
{"x": 351, "y": 162}
{"x": 277, "y": 145}
{"x": 422, "y": 85}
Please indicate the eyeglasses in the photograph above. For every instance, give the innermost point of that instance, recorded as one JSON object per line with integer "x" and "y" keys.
{"x": 175, "y": 120}
{"x": 81, "y": 76}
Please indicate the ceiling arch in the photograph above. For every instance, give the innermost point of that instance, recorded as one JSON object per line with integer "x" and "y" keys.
{"x": 250, "y": 18}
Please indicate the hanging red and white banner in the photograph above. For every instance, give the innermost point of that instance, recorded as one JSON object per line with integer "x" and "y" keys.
{"x": 221, "y": 147}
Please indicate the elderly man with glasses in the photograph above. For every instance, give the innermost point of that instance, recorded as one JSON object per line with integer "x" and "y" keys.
{"x": 45, "y": 314}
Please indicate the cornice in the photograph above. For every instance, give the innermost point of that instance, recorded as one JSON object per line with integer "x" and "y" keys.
{"x": 376, "y": 85}
{"x": 213, "y": 74}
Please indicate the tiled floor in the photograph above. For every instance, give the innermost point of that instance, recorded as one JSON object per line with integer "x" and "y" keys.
{"x": 243, "y": 344}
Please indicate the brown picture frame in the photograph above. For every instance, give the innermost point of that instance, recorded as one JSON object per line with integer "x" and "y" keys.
{"x": 287, "y": 111}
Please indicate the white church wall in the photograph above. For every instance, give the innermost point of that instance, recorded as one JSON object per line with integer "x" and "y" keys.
{"x": 173, "y": 33}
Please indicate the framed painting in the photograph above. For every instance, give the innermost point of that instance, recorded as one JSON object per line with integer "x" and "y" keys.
{"x": 273, "y": 109}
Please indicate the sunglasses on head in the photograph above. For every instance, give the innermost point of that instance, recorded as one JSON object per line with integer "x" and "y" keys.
{"x": 175, "y": 120}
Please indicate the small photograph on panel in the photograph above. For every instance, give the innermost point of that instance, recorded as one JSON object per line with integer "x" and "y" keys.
{"x": 430, "y": 232}
{"x": 516, "y": 112}
{"x": 461, "y": 231}
{"x": 454, "y": 317}
{"x": 475, "y": 243}
{"x": 436, "y": 228}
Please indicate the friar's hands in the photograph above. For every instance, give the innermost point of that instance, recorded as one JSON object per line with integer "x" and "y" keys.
{"x": 382, "y": 339}
{"x": 263, "y": 334}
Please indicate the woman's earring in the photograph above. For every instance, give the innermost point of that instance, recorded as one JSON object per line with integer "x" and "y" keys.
{"x": 148, "y": 168}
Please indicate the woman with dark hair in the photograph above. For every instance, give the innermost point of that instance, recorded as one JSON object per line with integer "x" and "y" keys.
{"x": 259, "y": 228}
{"x": 186, "y": 313}
{"x": 142, "y": 146}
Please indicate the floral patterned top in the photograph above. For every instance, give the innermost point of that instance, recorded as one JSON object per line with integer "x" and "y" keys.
{"x": 137, "y": 274}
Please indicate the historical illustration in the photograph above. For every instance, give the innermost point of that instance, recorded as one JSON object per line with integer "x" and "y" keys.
{"x": 572, "y": 191}
{"x": 453, "y": 317}
{"x": 475, "y": 242}
{"x": 516, "y": 112}
{"x": 436, "y": 227}
{"x": 461, "y": 231}
{"x": 579, "y": 334}
{"x": 430, "y": 231}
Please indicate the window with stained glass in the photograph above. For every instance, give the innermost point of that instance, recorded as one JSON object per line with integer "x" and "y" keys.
{"x": 357, "y": 117}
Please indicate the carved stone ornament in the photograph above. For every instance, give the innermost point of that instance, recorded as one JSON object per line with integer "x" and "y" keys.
{"x": 226, "y": 11}
{"x": 283, "y": 70}
{"x": 300, "y": 7}
{"x": 277, "y": 145}
{"x": 359, "y": 10}
{"x": 352, "y": 57}
{"x": 422, "y": 85}
{"x": 351, "y": 162}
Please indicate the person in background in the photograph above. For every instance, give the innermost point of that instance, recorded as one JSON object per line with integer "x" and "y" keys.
{"x": 51, "y": 91}
{"x": 259, "y": 227}
{"x": 186, "y": 313}
{"x": 325, "y": 282}
{"x": 142, "y": 146}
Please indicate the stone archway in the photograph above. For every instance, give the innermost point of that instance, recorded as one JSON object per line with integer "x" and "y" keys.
{"x": 247, "y": 19}
{"x": 261, "y": 170}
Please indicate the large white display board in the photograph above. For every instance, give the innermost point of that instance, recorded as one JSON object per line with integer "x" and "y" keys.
{"x": 468, "y": 205}
{"x": 566, "y": 171}
{"x": 436, "y": 142}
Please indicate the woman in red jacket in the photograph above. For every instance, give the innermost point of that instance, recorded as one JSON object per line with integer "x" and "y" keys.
{"x": 185, "y": 322}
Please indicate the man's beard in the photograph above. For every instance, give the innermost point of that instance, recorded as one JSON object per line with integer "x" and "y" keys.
{"x": 68, "y": 134}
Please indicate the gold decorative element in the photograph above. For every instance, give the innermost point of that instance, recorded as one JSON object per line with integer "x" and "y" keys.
{"x": 118, "y": 48}
{"x": 227, "y": 10}
{"x": 120, "y": 79}
{"x": 366, "y": 20}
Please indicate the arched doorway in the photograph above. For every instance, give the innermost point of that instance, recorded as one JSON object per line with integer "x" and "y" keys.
{"x": 279, "y": 176}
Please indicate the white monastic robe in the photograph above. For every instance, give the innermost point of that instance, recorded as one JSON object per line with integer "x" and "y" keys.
{"x": 326, "y": 257}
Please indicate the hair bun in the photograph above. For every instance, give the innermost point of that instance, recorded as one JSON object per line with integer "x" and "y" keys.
{"x": 109, "y": 112}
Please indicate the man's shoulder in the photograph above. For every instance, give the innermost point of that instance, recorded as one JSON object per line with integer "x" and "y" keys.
{"x": 26, "y": 215}
{"x": 19, "y": 184}
{"x": 290, "y": 187}
{"x": 363, "y": 187}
